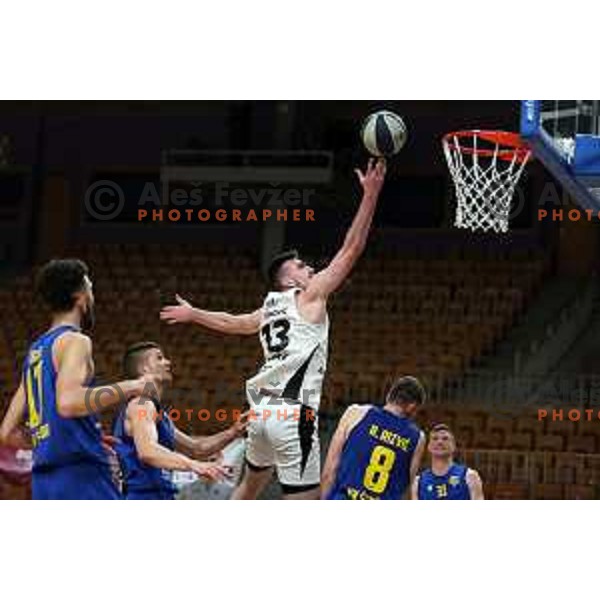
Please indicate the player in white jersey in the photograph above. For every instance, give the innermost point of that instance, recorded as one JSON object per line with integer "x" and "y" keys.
{"x": 293, "y": 326}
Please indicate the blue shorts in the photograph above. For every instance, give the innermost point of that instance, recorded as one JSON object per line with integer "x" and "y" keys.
{"x": 156, "y": 494}
{"x": 78, "y": 481}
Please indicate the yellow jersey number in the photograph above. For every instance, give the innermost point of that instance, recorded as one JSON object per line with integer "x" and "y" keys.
{"x": 441, "y": 490}
{"x": 377, "y": 474}
{"x": 35, "y": 401}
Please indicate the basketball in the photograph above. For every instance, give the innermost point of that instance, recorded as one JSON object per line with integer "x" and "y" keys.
{"x": 384, "y": 133}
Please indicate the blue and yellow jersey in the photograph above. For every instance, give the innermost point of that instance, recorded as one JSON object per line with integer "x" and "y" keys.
{"x": 451, "y": 486}
{"x": 375, "y": 461}
{"x": 57, "y": 441}
{"x": 142, "y": 481}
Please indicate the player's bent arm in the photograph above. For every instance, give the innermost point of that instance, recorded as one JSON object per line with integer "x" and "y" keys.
{"x": 12, "y": 432}
{"x": 73, "y": 398}
{"x": 415, "y": 463}
{"x": 331, "y": 278}
{"x": 142, "y": 420}
{"x": 202, "y": 447}
{"x": 475, "y": 485}
{"x": 414, "y": 489}
{"x": 349, "y": 419}
{"x": 141, "y": 416}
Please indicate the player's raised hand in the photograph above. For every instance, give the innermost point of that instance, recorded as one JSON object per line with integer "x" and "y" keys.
{"x": 181, "y": 301}
{"x": 372, "y": 179}
{"x": 210, "y": 471}
{"x": 182, "y": 312}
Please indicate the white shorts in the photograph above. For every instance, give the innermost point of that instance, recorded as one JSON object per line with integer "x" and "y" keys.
{"x": 288, "y": 441}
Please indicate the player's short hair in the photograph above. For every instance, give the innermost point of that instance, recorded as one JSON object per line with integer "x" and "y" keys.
{"x": 133, "y": 357}
{"x": 440, "y": 427}
{"x": 275, "y": 266}
{"x": 406, "y": 390}
{"x": 59, "y": 280}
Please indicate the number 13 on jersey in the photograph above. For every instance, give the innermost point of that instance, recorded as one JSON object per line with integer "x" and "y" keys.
{"x": 276, "y": 335}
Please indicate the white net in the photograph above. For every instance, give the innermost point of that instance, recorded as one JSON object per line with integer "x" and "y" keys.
{"x": 484, "y": 179}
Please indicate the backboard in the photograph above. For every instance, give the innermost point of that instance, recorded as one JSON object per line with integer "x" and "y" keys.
{"x": 565, "y": 136}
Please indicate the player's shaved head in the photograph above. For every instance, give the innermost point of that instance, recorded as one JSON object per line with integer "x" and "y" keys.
{"x": 406, "y": 390}
{"x": 134, "y": 357}
{"x": 287, "y": 270}
{"x": 275, "y": 268}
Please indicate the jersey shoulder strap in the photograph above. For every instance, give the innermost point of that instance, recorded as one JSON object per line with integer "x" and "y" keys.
{"x": 459, "y": 470}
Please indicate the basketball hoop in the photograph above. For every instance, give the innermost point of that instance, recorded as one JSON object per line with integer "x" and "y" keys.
{"x": 485, "y": 167}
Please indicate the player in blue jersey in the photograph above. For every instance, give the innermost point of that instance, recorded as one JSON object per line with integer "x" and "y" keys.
{"x": 54, "y": 409}
{"x": 375, "y": 452}
{"x": 446, "y": 479}
{"x": 150, "y": 446}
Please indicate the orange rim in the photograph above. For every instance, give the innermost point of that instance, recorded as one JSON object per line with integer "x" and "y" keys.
{"x": 516, "y": 147}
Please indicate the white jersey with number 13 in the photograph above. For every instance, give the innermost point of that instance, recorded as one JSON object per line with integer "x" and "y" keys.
{"x": 295, "y": 353}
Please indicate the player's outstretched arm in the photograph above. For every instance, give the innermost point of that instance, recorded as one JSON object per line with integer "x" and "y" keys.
{"x": 475, "y": 485}
{"x": 221, "y": 322}
{"x": 330, "y": 279}
{"x": 349, "y": 419}
{"x": 73, "y": 397}
{"x": 12, "y": 432}
{"x": 205, "y": 446}
{"x": 141, "y": 415}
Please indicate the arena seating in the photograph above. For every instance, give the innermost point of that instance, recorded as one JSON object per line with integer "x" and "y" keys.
{"x": 432, "y": 317}
{"x": 429, "y": 317}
